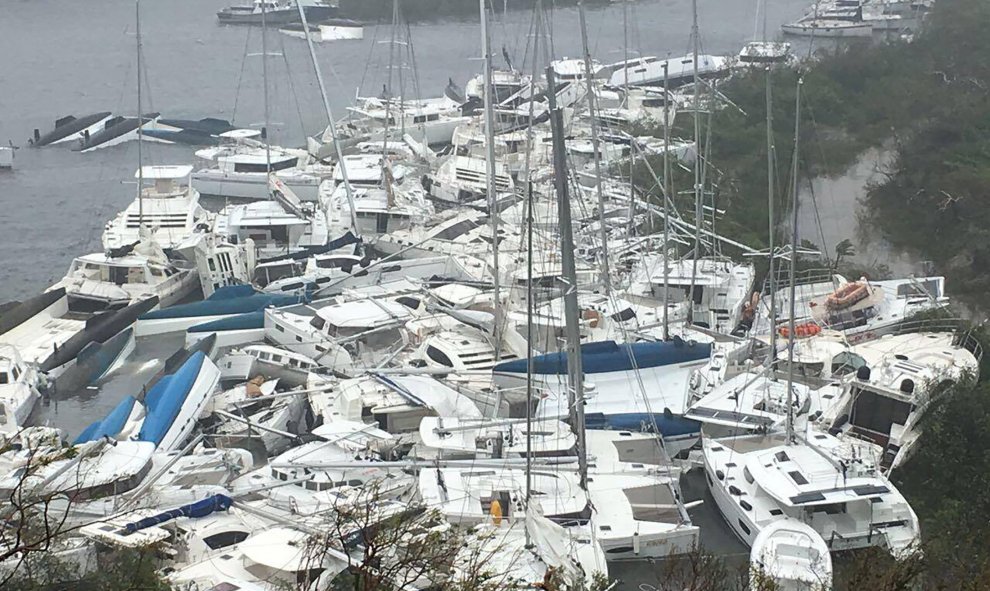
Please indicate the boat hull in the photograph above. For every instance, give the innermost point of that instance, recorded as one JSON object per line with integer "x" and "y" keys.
{"x": 275, "y": 17}
{"x": 253, "y": 186}
{"x": 798, "y": 30}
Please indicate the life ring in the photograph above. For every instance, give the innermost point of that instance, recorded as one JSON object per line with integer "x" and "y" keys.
{"x": 847, "y": 295}
{"x": 808, "y": 329}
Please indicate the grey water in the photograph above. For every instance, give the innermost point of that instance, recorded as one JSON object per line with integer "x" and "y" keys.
{"x": 64, "y": 57}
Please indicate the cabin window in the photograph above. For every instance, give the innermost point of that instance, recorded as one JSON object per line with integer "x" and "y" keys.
{"x": 743, "y": 527}
{"x": 116, "y": 275}
{"x": 438, "y": 356}
{"x": 224, "y": 539}
{"x": 624, "y": 315}
{"x": 263, "y": 167}
{"x": 846, "y": 363}
{"x": 874, "y": 412}
{"x": 411, "y": 303}
{"x": 460, "y": 228}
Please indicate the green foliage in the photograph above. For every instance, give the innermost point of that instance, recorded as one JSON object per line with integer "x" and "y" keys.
{"x": 121, "y": 570}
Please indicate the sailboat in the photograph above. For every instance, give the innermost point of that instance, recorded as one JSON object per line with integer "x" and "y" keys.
{"x": 833, "y": 486}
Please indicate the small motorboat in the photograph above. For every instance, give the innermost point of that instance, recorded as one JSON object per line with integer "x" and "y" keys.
{"x": 328, "y": 30}
{"x": 793, "y": 555}
{"x": 273, "y": 12}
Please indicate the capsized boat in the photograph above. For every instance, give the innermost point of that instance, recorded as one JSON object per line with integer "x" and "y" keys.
{"x": 70, "y": 128}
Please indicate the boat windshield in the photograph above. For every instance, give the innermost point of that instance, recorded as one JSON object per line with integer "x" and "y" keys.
{"x": 116, "y": 274}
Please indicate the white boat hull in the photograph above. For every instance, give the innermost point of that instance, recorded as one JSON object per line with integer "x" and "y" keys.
{"x": 856, "y": 30}
{"x": 251, "y": 185}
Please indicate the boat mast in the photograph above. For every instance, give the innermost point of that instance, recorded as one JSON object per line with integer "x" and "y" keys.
{"x": 264, "y": 75}
{"x": 697, "y": 163}
{"x": 575, "y": 372}
{"x": 595, "y": 143}
{"x": 330, "y": 121}
{"x": 388, "y": 88}
{"x": 625, "y": 51}
{"x": 529, "y": 256}
{"x": 794, "y": 254}
{"x": 490, "y": 173}
{"x": 140, "y": 121}
{"x": 667, "y": 196}
{"x": 772, "y": 226}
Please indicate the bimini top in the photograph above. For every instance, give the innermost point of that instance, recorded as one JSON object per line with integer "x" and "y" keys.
{"x": 609, "y": 356}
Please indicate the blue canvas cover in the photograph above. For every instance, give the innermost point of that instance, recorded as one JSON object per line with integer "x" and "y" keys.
{"x": 202, "y": 508}
{"x": 609, "y": 356}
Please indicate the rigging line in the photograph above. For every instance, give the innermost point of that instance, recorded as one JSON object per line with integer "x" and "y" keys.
{"x": 292, "y": 86}
{"x": 411, "y": 50}
{"x": 240, "y": 75}
{"x": 369, "y": 60}
{"x": 824, "y": 158}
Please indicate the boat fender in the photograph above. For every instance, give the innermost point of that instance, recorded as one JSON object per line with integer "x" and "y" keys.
{"x": 496, "y": 512}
